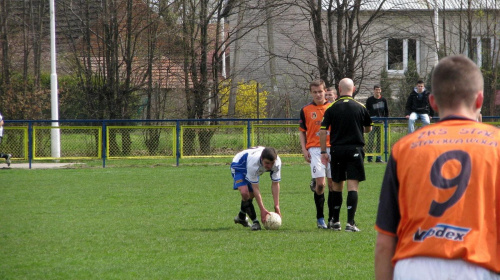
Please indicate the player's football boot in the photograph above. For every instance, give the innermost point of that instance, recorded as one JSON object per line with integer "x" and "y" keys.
{"x": 256, "y": 226}
{"x": 351, "y": 228}
{"x": 335, "y": 226}
{"x": 321, "y": 223}
{"x": 244, "y": 222}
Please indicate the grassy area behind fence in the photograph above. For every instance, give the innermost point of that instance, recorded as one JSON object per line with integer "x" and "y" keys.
{"x": 156, "y": 221}
{"x": 176, "y": 141}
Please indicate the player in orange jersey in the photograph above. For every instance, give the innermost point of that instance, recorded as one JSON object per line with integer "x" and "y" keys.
{"x": 309, "y": 125}
{"x": 439, "y": 210}
{"x": 331, "y": 94}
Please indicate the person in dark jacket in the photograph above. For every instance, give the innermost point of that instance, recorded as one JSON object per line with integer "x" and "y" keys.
{"x": 377, "y": 107}
{"x": 417, "y": 107}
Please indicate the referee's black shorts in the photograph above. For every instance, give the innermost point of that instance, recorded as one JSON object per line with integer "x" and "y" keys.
{"x": 347, "y": 163}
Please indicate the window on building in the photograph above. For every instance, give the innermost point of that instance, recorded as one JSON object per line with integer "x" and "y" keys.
{"x": 482, "y": 51}
{"x": 399, "y": 53}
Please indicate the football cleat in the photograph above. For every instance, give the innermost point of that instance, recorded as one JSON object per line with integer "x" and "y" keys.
{"x": 256, "y": 226}
{"x": 334, "y": 226}
{"x": 244, "y": 223}
{"x": 321, "y": 223}
{"x": 351, "y": 228}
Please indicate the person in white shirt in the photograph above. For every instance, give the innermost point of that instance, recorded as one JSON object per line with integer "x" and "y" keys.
{"x": 246, "y": 168}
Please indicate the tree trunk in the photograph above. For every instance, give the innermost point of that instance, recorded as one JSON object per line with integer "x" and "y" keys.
{"x": 272, "y": 56}
{"x": 4, "y": 42}
{"x": 316, "y": 18}
{"x": 231, "y": 113}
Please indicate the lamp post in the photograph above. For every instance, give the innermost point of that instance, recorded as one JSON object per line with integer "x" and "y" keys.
{"x": 55, "y": 132}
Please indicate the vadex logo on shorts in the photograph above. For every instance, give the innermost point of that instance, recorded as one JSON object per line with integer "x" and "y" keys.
{"x": 442, "y": 231}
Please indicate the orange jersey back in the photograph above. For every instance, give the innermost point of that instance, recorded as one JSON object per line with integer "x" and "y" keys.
{"x": 441, "y": 193}
{"x": 311, "y": 116}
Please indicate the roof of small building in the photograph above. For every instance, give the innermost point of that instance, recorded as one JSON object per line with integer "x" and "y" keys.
{"x": 430, "y": 4}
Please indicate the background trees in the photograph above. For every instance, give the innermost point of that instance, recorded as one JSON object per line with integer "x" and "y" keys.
{"x": 121, "y": 59}
{"x": 342, "y": 48}
{"x": 22, "y": 87}
{"x": 251, "y": 100}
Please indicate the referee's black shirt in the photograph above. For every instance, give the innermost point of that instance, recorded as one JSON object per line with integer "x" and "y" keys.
{"x": 346, "y": 118}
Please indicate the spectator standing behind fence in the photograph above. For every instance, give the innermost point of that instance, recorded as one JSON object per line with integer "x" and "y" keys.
{"x": 442, "y": 221}
{"x": 377, "y": 107}
{"x": 346, "y": 119}
{"x": 246, "y": 168}
{"x": 2, "y": 155}
{"x": 309, "y": 126}
{"x": 417, "y": 107}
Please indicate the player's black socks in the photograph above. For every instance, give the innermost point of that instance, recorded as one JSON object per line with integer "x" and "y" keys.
{"x": 319, "y": 200}
{"x": 247, "y": 206}
{"x": 337, "y": 204}
{"x": 242, "y": 215}
{"x": 330, "y": 205}
{"x": 244, "y": 207}
{"x": 352, "y": 204}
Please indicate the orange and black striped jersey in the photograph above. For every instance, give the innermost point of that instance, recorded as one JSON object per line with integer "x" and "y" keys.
{"x": 441, "y": 193}
{"x": 310, "y": 123}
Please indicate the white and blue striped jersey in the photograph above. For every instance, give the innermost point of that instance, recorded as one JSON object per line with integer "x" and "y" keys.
{"x": 248, "y": 162}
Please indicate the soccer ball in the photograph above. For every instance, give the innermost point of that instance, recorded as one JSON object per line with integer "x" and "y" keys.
{"x": 273, "y": 221}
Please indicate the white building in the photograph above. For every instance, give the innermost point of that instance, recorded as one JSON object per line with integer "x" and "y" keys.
{"x": 417, "y": 30}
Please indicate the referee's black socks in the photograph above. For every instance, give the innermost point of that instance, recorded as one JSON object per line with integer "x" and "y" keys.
{"x": 352, "y": 204}
{"x": 337, "y": 204}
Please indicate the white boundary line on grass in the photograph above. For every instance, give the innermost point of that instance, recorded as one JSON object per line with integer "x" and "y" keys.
{"x": 36, "y": 165}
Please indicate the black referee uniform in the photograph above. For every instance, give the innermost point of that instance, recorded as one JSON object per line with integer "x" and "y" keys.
{"x": 346, "y": 119}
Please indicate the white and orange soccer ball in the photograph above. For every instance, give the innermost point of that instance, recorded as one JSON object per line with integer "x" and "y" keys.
{"x": 273, "y": 221}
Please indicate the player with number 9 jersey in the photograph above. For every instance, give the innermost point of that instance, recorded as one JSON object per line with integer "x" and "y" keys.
{"x": 446, "y": 168}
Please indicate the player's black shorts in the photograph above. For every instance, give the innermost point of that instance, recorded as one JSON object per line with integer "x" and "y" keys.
{"x": 347, "y": 163}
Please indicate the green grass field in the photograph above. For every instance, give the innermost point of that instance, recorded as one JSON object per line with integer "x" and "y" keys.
{"x": 167, "y": 222}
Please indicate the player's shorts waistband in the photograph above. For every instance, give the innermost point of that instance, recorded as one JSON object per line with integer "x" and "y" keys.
{"x": 346, "y": 147}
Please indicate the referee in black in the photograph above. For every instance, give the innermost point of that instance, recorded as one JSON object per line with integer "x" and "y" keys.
{"x": 347, "y": 120}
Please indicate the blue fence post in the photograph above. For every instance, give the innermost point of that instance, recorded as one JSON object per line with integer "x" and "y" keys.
{"x": 386, "y": 130}
{"x": 178, "y": 142}
{"x": 249, "y": 134}
{"x": 104, "y": 139}
{"x": 30, "y": 143}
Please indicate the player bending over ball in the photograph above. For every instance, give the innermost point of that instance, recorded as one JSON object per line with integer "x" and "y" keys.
{"x": 246, "y": 168}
